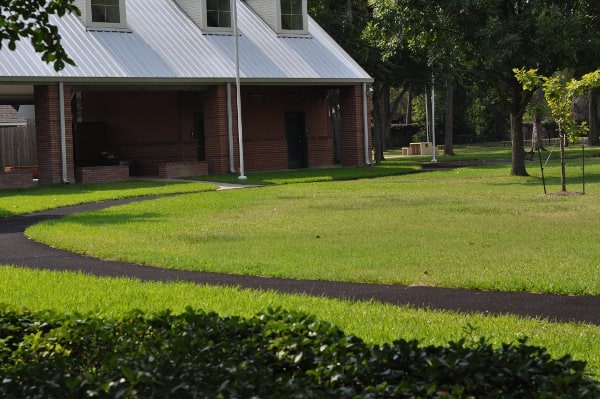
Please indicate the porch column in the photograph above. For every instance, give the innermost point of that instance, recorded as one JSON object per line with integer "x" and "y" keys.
{"x": 216, "y": 129}
{"x": 48, "y": 133}
{"x": 352, "y": 140}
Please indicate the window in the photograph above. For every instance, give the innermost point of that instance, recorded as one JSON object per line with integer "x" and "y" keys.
{"x": 106, "y": 11}
{"x": 103, "y": 14}
{"x": 291, "y": 15}
{"x": 218, "y": 13}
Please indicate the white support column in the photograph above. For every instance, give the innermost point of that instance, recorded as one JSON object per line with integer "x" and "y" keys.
{"x": 366, "y": 124}
{"x": 230, "y": 130}
{"x": 63, "y": 133}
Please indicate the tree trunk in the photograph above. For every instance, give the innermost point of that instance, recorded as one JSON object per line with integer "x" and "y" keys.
{"x": 537, "y": 142}
{"x": 593, "y": 133}
{"x": 449, "y": 120}
{"x": 408, "y": 120}
{"x": 516, "y": 136}
{"x": 379, "y": 111}
{"x": 563, "y": 176}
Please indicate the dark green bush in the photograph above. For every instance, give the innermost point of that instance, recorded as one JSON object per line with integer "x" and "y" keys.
{"x": 277, "y": 354}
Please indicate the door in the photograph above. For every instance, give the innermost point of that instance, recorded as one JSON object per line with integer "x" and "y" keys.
{"x": 295, "y": 131}
{"x": 198, "y": 135}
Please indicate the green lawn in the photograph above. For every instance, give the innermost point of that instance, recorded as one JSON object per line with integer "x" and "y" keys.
{"x": 373, "y": 322}
{"x": 21, "y": 201}
{"x": 473, "y": 227}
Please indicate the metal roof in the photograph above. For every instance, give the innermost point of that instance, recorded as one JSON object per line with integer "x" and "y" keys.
{"x": 163, "y": 45}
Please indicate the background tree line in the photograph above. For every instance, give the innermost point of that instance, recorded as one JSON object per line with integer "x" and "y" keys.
{"x": 471, "y": 48}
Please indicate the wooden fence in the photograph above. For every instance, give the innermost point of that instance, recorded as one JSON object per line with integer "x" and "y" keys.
{"x": 18, "y": 145}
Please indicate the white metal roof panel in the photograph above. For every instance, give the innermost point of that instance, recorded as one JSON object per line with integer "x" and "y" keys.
{"x": 165, "y": 45}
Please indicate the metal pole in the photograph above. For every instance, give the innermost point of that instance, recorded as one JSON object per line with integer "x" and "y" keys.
{"x": 542, "y": 168}
{"x": 427, "y": 120}
{"x": 237, "y": 87}
{"x": 583, "y": 168}
{"x": 433, "y": 117}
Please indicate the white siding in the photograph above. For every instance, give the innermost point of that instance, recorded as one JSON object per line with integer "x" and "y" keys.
{"x": 267, "y": 10}
{"x": 81, "y": 5}
{"x": 194, "y": 9}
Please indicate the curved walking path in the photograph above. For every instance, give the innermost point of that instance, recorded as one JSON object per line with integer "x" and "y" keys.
{"x": 16, "y": 249}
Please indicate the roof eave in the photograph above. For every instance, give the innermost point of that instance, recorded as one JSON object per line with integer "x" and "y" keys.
{"x": 180, "y": 81}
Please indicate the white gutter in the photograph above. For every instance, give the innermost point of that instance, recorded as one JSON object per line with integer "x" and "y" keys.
{"x": 366, "y": 124}
{"x": 63, "y": 133}
{"x": 230, "y": 130}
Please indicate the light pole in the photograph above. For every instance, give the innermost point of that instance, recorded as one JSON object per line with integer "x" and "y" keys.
{"x": 242, "y": 176}
{"x": 433, "y": 117}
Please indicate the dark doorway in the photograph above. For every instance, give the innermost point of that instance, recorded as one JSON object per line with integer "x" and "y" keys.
{"x": 295, "y": 131}
{"x": 198, "y": 135}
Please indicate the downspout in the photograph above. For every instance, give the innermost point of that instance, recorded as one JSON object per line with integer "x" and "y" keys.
{"x": 63, "y": 133}
{"x": 230, "y": 130}
{"x": 366, "y": 125}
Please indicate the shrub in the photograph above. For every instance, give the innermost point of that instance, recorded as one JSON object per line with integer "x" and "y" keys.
{"x": 272, "y": 355}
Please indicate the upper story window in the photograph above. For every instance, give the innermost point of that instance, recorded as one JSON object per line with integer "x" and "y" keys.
{"x": 106, "y": 11}
{"x": 218, "y": 13}
{"x": 292, "y": 15}
{"x": 103, "y": 14}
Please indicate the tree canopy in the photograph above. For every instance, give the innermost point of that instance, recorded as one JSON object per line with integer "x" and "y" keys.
{"x": 31, "y": 19}
{"x": 488, "y": 38}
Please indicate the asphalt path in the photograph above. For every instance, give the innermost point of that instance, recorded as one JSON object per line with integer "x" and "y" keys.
{"x": 16, "y": 249}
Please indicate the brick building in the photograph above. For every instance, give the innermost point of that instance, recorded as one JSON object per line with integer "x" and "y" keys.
{"x": 154, "y": 91}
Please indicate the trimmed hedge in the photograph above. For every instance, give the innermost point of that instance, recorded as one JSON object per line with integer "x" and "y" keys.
{"x": 277, "y": 354}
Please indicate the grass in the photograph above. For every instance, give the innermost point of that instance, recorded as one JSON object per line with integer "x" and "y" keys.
{"x": 318, "y": 175}
{"x": 373, "y": 322}
{"x": 463, "y": 227}
{"x": 22, "y": 201}
{"x": 501, "y": 211}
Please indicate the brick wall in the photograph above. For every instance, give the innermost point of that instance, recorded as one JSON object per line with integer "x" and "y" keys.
{"x": 216, "y": 129}
{"x": 265, "y": 154}
{"x": 145, "y": 158}
{"x": 182, "y": 169}
{"x": 156, "y": 131}
{"x": 352, "y": 132}
{"x": 15, "y": 179}
{"x": 102, "y": 174}
{"x": 320, "y": 152}
{"x": 47, "y": 115}
{"x": 264, "y": 110}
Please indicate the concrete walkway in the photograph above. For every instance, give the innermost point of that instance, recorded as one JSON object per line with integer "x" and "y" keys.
{"x": 18, "y": 250}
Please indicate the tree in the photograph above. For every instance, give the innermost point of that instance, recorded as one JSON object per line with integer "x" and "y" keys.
{"x": 31, "y": 19}
{"x": 395, "y": 69}
{"x": 489, "y": 38}
{"x": 594, "y": 132}
{"x": 559, "y": 92}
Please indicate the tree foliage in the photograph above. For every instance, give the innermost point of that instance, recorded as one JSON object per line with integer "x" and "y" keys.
{"x": 31, "y": 19}
{"x": 559, "y": 92}
{"x": 488, "y": 38}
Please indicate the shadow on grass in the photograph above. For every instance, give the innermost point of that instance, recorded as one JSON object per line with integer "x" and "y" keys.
{"x": 110, "y": 219}
{"x": 389, "y": 168}
{"x": 82, "y": 188}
